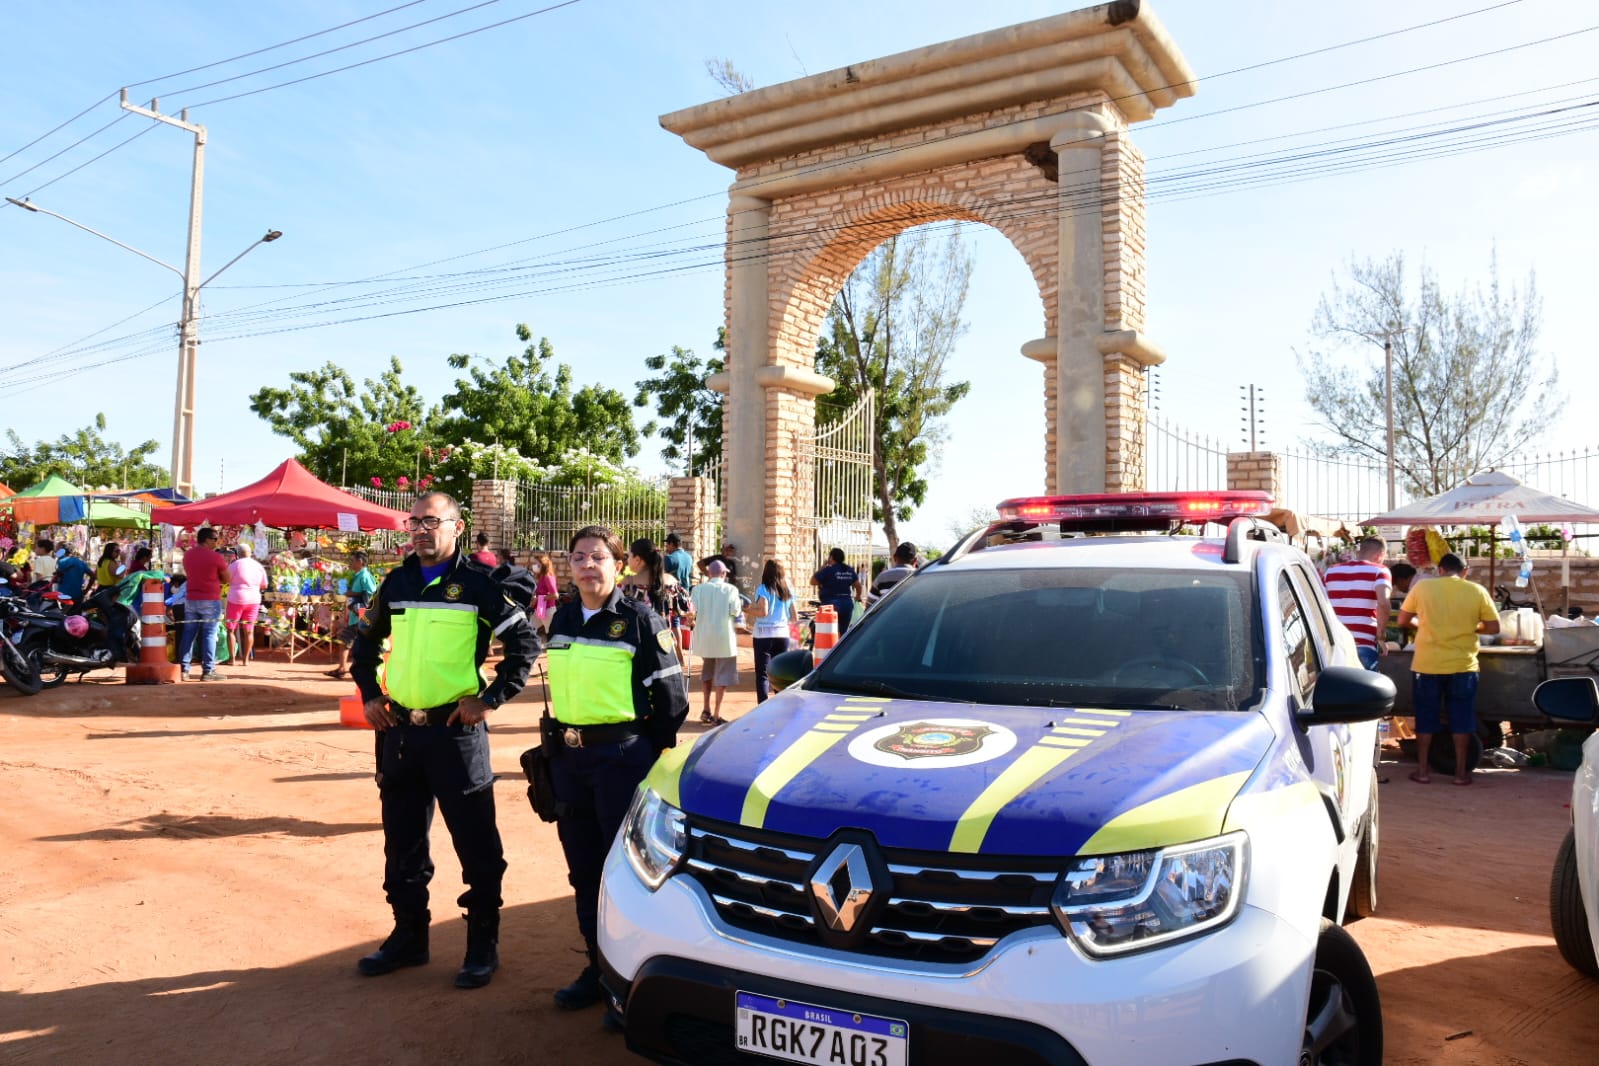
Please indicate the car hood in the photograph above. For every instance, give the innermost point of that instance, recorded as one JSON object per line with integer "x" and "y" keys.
{"x": 953, "y": 777}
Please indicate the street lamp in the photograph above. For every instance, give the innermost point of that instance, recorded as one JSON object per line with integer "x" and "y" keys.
{"x": 188, "y": 341}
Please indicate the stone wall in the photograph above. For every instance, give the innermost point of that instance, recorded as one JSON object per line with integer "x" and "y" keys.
{"x": 1256, "y": 471}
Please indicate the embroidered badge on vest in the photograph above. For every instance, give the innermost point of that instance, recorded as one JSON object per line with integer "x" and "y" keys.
{"x": 452, "y": 592}
{"x": 617, "y": 629}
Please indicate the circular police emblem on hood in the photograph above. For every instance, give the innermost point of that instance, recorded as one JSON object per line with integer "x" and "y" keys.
{"x": 933, "y": 743}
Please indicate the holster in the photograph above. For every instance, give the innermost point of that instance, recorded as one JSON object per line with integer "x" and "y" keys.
{"x": 540, "y": 782}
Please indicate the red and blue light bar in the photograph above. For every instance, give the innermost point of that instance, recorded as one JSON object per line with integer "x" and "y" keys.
{"x": 1120, "y": 507}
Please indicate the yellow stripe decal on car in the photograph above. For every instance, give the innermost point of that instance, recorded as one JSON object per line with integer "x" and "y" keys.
{"x": 811, "y": 745}
{"x": 1105, "y": 712}
{"x": 1015, "y": 779}
{"x": 666, "y": 776}
{"x": 1191, "y": 813}
{"x": 1062, "y": 742}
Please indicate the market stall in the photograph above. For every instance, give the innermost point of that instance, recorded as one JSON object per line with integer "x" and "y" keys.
{"x": 1525, "y": 652}
{"x": 303, "y": 603}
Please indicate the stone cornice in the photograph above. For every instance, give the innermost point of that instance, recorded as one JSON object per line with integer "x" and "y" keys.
{"x": 1131, "y": 344}
{"x": 1120, "y": 49}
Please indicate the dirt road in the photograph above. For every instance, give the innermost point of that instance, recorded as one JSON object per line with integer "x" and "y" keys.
{"x": 191, "y": 872}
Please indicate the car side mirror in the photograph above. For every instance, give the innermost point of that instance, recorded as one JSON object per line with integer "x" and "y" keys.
{"x": 1349, "y": 694}
{"x": 787, "y": 668}
{"x": 1575, "y": 699}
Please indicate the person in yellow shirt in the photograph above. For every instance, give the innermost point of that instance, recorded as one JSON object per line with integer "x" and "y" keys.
{"x": 1448, "y": 613}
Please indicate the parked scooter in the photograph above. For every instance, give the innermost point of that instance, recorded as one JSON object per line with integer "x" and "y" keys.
{"x": 59, "y": 644}
{"x": 20, "y": 674}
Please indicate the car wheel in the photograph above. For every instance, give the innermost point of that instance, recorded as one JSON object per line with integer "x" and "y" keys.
{"x": 1566, "y": 912}
{"x": 1363, "y": 892}
{"x": 1343, "y": 1021}
{"x": 17, "y": 669}
{"x": 1442, "y": 755}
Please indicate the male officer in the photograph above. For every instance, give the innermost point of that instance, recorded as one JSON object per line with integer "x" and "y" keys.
{"x": 617, "y": 694}
{"x": 440, "y": 609}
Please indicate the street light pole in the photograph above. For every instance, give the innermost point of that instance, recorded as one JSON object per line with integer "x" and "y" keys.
{"x": 188, "y": 339}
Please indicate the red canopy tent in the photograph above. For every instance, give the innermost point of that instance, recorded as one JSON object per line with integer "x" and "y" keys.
{"x": 290, "y": 497}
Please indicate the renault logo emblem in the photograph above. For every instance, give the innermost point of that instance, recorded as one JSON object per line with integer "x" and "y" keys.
{"x": 842, "y": 886}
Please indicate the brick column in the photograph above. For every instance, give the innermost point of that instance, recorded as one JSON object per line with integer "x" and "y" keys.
{"x": 1046, "y": 351}
{"x": 494, "y": 511}
{"x": 691, "y": 513}
{"x": 1256, "y": 471}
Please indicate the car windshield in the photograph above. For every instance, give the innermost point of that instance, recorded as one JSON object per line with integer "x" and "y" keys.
{"x": 1056, "y": 636}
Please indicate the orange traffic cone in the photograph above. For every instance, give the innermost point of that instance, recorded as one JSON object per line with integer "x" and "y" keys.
{"x": 826, "y": 633}
{"x": 152, "y": 667}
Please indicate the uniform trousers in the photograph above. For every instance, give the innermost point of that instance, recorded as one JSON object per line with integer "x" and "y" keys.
{"x": 597, "y": 785}
{"x": 418, "y": 765}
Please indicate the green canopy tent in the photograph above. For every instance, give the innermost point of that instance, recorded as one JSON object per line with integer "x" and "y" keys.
{"x": 57, "y": 501}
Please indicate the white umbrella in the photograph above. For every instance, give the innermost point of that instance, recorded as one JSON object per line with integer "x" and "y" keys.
{"x": 1487, "y": 499}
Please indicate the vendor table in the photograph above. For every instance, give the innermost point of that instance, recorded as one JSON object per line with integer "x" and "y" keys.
{"x": 1507, "y": 676}
{"x": 324, "y": 615}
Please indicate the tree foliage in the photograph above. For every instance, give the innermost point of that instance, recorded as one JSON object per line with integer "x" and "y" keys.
{"x": 691, "y": 413}
{"x": 891, "y": 330}
{"x": 343, "y": 429}
{"x": 84, "y": 457}
{"x": 506, "y": 419}
{"x": 522, "y": 404}
{"x": 1470, "y": 386}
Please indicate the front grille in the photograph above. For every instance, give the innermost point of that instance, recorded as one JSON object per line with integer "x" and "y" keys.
{"x": 941, "y": 908}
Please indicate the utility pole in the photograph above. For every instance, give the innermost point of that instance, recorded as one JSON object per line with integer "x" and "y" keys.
{"x": 1388, "y": 336}
{"x": 184, "y": 405}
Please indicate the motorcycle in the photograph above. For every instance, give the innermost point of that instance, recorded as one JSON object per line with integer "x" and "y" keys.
{"x": 58, "y": 644}
{"x": 17, "y": 669}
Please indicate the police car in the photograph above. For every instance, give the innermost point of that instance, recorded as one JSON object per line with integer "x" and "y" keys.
{"x": 1083, "y": 791}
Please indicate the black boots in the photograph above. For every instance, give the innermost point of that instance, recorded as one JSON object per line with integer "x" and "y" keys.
{"x": 585, "y": 991}
{"x": 482, "y": 949}
{"x": 406, "y": 946}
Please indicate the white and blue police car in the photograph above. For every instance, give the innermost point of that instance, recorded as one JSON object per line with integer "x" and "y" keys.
{"x": 1083, "y": 791}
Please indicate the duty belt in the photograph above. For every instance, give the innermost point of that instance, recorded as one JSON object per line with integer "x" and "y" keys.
{"x": 419, "y": 716}
{"x": 588, "y": 736}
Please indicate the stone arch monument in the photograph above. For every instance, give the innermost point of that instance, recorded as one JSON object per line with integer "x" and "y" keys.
{"x": 1024, "y": 129}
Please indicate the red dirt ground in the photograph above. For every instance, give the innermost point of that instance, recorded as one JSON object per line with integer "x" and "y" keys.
{"x": 192, "y": 871}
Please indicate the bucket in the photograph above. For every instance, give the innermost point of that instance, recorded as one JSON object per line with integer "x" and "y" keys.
{"x": 351, "y": 712}
{"x": 1531, "y": 625}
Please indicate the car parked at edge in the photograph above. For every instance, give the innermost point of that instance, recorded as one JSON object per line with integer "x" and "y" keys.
{"x": 1062, "y": 798}
{"x": 1574, "y": 887}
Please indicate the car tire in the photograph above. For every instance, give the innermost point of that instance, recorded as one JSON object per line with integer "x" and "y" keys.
{"x": 1363, "y": 889}
{"x": 1343, "y": 1018}
{"x": 1566, "y": 913}
{"x": 17, "y": 669}
{"x": 1442, "y": 755}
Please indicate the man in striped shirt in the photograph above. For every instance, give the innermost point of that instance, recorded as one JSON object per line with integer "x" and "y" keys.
{"x": 1359, "y": 591}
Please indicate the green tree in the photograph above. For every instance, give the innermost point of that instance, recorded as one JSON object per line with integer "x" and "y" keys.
{"x": 891, "y": 330}
{"x": 349, "y": 433}
{"x": 1470, "y": 386}
{"x": 85, "y": 458}
{"x": 691, "y": 412}
{"x": 522, "y": 405}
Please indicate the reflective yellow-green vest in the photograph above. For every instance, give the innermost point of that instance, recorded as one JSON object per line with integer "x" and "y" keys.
{"x": 434, "y": 660}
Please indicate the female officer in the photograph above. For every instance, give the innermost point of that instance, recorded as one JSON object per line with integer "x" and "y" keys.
{"x": 616, "y": 691}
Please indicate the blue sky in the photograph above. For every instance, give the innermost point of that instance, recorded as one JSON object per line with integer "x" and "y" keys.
{"x": 534, "y": 134}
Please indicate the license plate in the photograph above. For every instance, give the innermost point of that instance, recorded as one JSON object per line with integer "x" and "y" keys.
{"x": 805, "y": 1032}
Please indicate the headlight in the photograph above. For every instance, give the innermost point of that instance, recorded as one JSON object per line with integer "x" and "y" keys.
{"x": 1114, "y": 904}
{"x": 654, "y": 837}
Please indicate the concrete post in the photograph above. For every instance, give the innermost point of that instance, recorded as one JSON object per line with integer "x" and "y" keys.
{"x": 494, "y": 511}
{"x": 744, "y": 441}
{"x": 1080, "y": 382}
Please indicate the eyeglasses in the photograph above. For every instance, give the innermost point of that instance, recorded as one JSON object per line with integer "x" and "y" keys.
{"x": 597, "y": 558}
{"x": 430, "y": 523}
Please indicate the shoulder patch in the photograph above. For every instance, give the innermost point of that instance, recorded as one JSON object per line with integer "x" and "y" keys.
{"x": 664, "y": 639}
{"x": 618, "y": 627}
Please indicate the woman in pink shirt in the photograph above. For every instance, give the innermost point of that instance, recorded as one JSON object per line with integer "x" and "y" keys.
{"x": 246, "y": 580}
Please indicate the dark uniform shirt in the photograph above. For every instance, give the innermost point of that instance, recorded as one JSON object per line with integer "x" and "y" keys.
{"x": 836, "y": 581}
{"x": 619, "y": 666}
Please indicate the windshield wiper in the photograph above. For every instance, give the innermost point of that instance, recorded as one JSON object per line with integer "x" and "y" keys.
{"x": 867, "y": 687}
